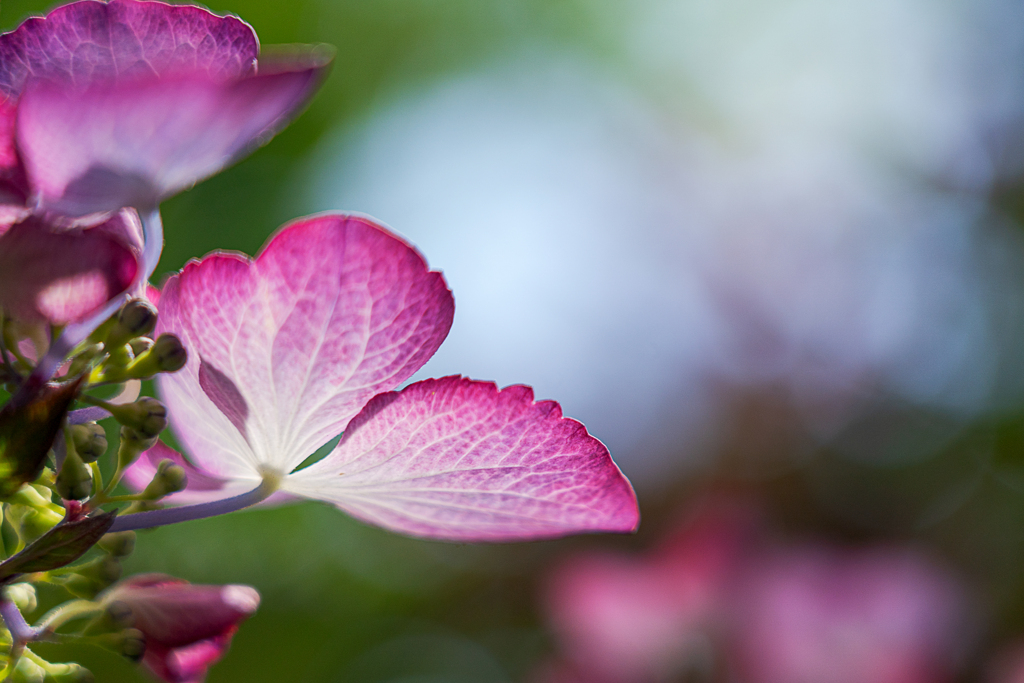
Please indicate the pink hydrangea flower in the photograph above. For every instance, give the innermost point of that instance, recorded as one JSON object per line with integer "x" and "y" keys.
{"x": 187, "y": 627}
{"x": 109, "y": 105}
{"x": 307, "y": 341}
{"x": 106, "y": 105}
{"x": 64, "y": 276}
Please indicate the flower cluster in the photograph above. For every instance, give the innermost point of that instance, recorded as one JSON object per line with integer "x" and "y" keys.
{"x": 721, "y": 600}
{"x": 108, "y": 108}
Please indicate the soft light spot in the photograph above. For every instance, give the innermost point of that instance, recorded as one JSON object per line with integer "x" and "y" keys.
{"x": 69, "y": 298}
{"x": 243, "y": 598}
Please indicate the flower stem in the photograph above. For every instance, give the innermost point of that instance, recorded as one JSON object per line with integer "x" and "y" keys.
{"x": 185, "y": 513}
{"x": 58, "y": 616}
{"x": 153, "y": 231}
{"x": 21, "y": 632}
{"x": 90, "y": 414}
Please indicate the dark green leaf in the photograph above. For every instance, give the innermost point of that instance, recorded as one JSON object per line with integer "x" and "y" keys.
{"x": 27, "y": 431}
{"x": 59, "y": 546}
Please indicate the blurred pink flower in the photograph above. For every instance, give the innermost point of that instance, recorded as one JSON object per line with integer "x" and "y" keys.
{"x": 187, "y": 627}
{"x": 307, "y": 341}
{"x": 632, "y": 619}
{"x": 720, "y": 600}
{"x": 118, "y": 104}
{"x": 61, "y": 276}
{"x": 820, "y": 615}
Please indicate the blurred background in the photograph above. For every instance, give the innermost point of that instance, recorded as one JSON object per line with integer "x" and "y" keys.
{"x": 769, "y": 251}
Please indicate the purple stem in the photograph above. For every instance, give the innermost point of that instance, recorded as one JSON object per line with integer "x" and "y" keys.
{"x": 185, "y": 513}
{"x": 90, "y": 414}
{"x": 21, "y": 632}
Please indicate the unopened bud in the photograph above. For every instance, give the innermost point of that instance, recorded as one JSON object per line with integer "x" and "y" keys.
{"x": 170, "y": 478}
{"x": 136, "y": 319}
{"x": 132, "y": 644}
{"x": 118, "y": 544}
{"x": 116, "y": 617}
{"x": 27, "y": 671}
{"x": 90, "y": 441}
{"x": 147, "y": 416}
{"x": 118, "y": 358}
{"x": 23, "y": 595}
{"x": 131, "y": 447}
{"x": 140, "y": 345}
{"x": 81, "y": 361}
{"x": 93, "y": 577}
{"x": 74, "y": 481}
{"x": 33, "y": 523}
{"x": 171, "y": 353}
{"x": 166, "y": 355}
{"x": 69, "y": 672}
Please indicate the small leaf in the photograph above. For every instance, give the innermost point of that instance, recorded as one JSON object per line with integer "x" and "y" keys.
{"x": 27, "y": 431}
{"x": 59, "y": 546}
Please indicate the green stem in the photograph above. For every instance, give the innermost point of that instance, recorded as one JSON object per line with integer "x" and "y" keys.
{"x": 60, "y": 615}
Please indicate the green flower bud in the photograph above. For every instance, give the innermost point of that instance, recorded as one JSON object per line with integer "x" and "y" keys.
{"x": 170, "y": 478}
{"x": 116, "y": 617}
{"x": 90, "y": 441}
{"x": 69, "y": 672}
{"x": 118, "y": 544}
{"x": 131, "y": 447}
{"x": 137, "y": 318}
{"x": 93, "y": 577}
{"x": 131, "y": 643}
{"x": 103, "y": 569}
{"x": 147, "y": 416}
{"x": 140, "y": 345}
{"x": 171, "y": 352}
{"x": 32, "y": 523}
{"x": 74, "y": 481}
{"x": 27, "y": 671}
{"x": 118, "y": 358}
{"x": 23, "y": 595}
{"x": 80, "y": 362}
{"x": 30, "y": 496}
{"x": 166, "y": 355}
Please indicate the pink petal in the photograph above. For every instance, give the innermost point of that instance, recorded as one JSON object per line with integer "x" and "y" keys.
{"x": 189, "y": 664}
{"x": 135, "y": 143}
{"x": 13, "y": 184}
{"x": 334, "y": 310}
{"x": 86, "y": 42}
{"x": 178, "y": 613}
{"x": 201, "y": 486}
{"x": 61, "y": 277}
{"x": 459, "y": 460}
